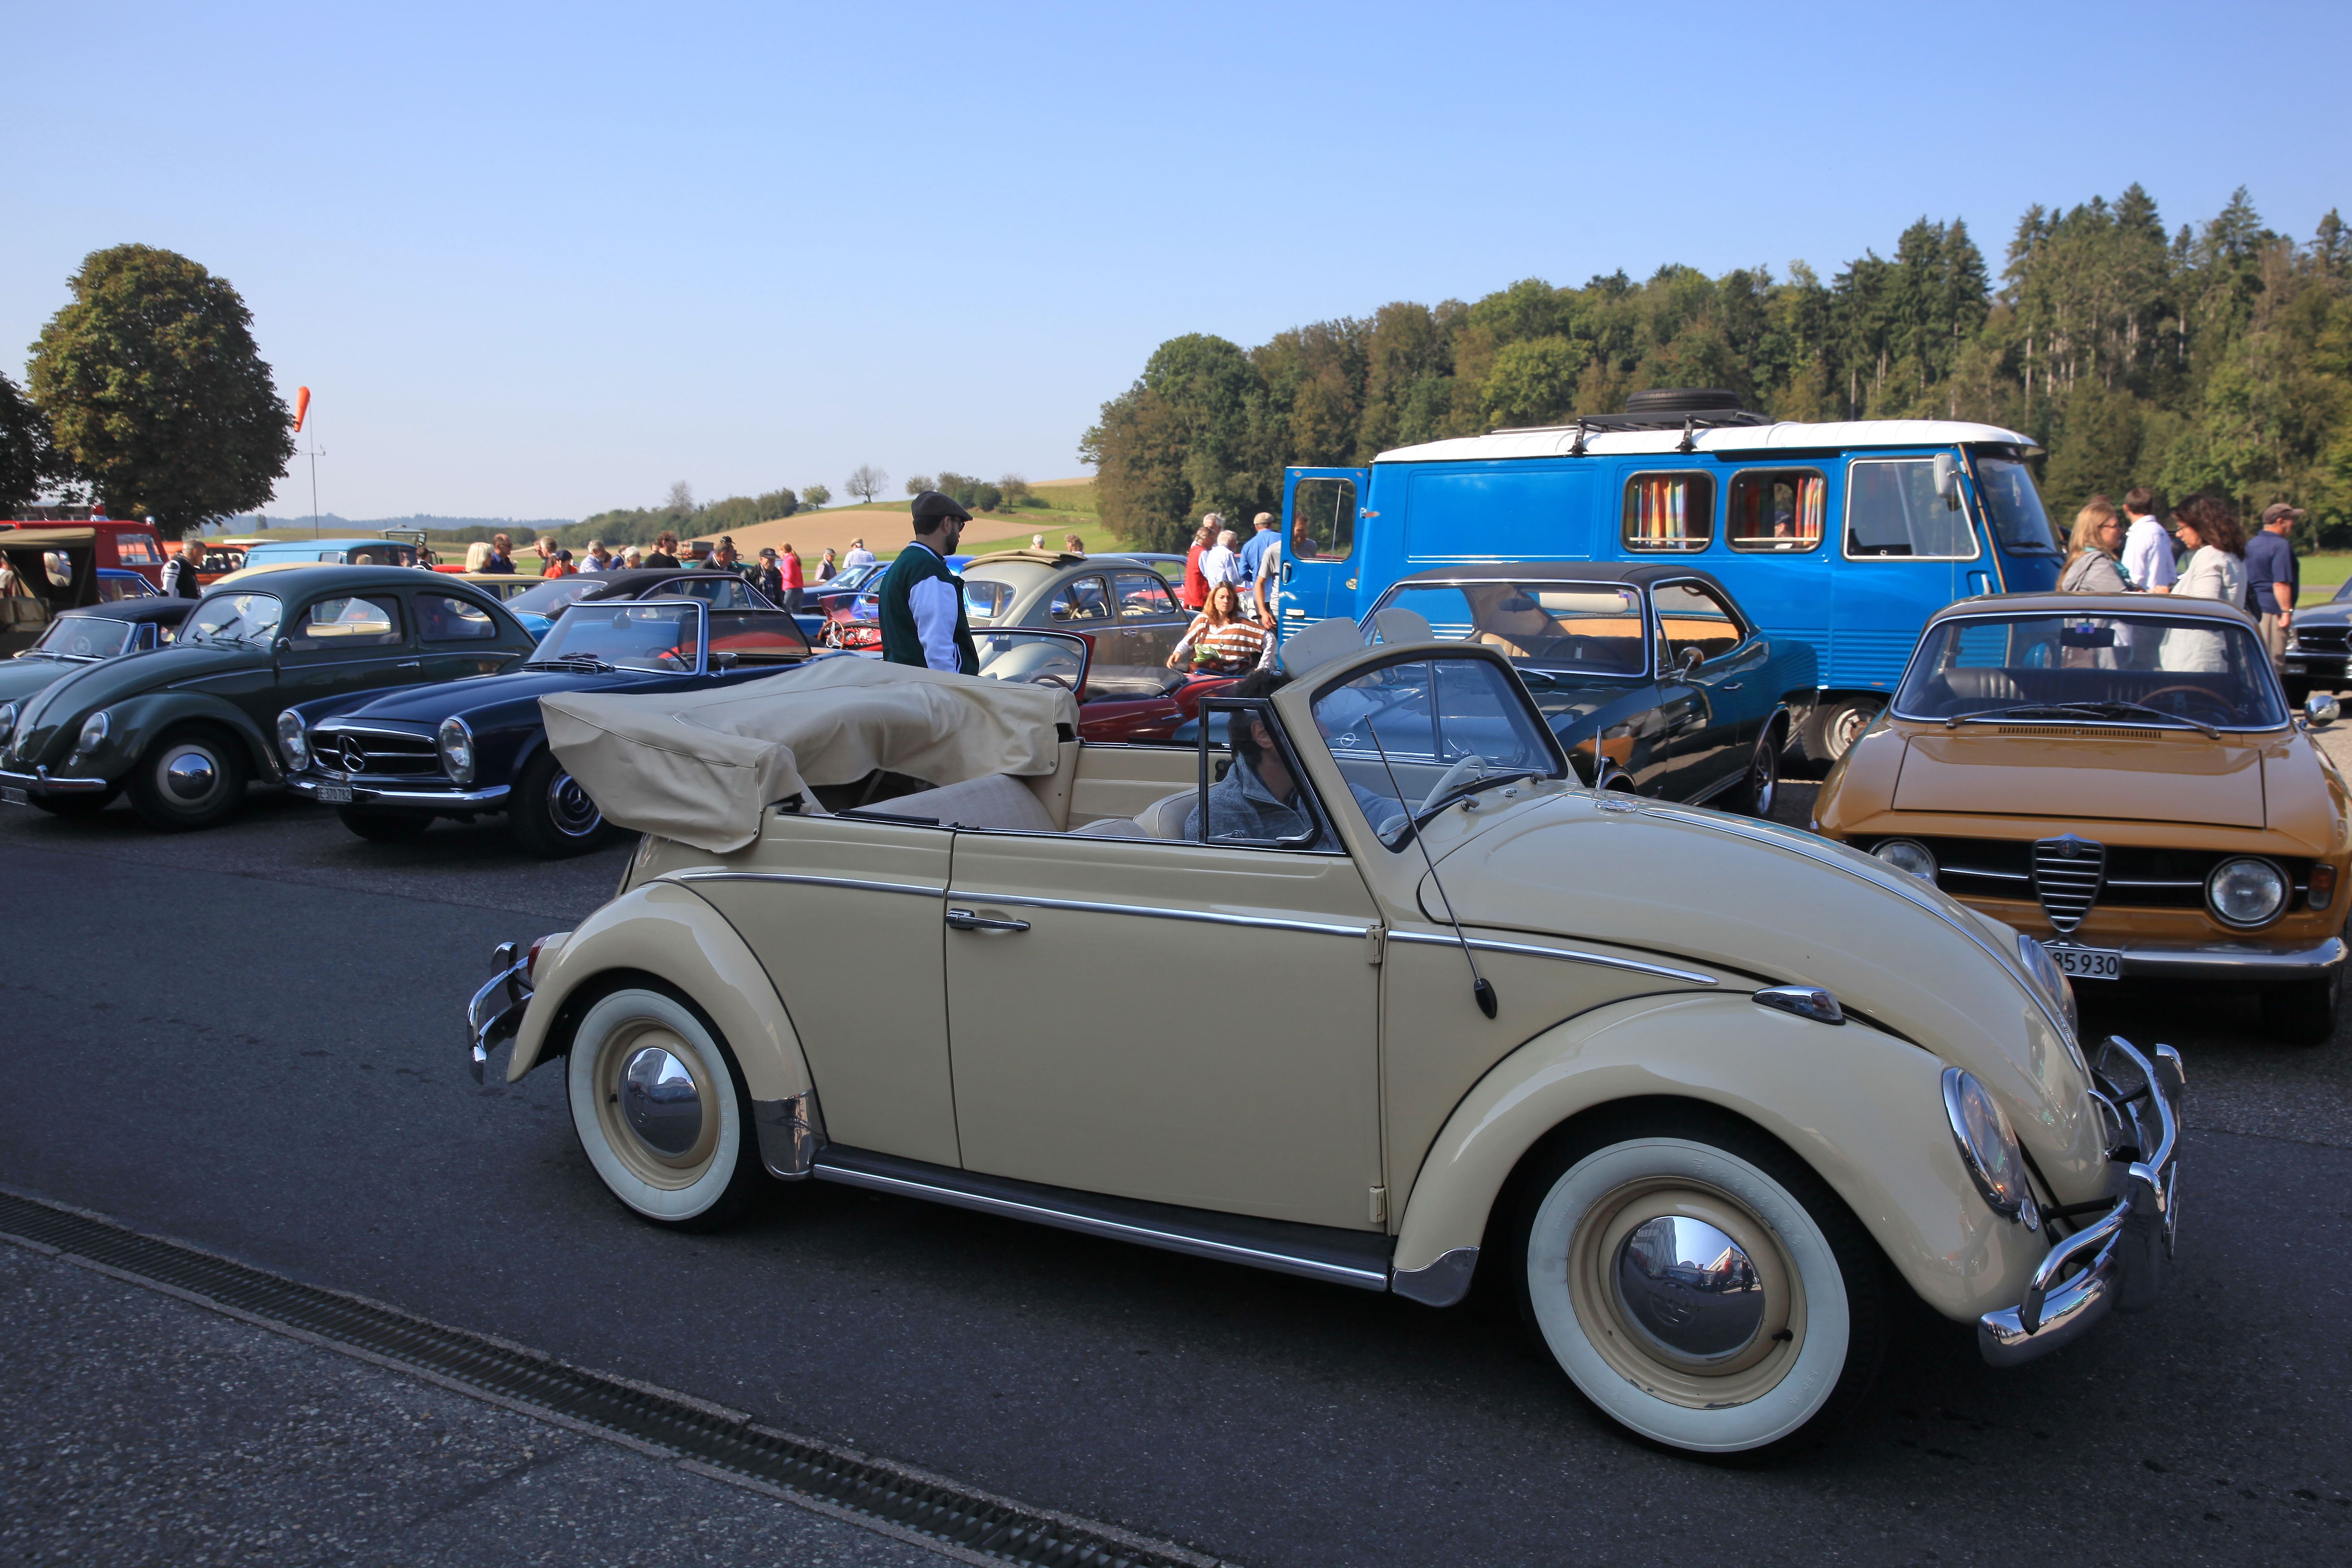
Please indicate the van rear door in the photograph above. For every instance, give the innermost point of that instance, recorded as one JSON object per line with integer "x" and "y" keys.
{"x": 1320, "y": 510}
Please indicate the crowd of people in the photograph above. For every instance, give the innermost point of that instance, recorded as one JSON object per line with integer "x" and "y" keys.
{"x": 1233, "y": 587}
{"x": 2200, "y": 553}
{"x": 779, "y": 574}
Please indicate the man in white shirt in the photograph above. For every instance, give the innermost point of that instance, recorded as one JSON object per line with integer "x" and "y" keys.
{"x": 598, "y": 558}
{"x": 2147, "y": 548}
{"x": 1222, "y": 562}
{"x": 858, "y": 555}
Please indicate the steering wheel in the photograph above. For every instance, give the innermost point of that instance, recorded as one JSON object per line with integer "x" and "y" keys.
{"x": 1452, "y": 776}
{"x": 2220, "y": 703}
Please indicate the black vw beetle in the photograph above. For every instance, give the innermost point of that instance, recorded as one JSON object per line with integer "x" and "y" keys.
{"x": 1651, "y": 674}
{"x": 393, "y": 762}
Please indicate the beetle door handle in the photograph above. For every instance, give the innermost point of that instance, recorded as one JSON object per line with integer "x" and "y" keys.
{"x": 1732, "y": 685}
{"x": 410, "y": 664}
{"x": 964, "y": 920}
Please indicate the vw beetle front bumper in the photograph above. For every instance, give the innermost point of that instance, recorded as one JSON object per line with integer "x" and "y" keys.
{"x": 496, "y": 1012}
{"x": 2116, "y": 1259}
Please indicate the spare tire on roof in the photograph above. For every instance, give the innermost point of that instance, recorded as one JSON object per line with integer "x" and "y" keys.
{"x": 1683, "y": 400}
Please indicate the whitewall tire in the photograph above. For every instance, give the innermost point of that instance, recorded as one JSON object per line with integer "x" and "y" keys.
{"x": 661, "y": 1111}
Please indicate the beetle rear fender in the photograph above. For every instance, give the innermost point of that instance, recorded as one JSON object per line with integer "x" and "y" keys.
{"x": 141, "y": 718}
{"x": 661, "y": 930}
{"x": 1864, "y": 1109}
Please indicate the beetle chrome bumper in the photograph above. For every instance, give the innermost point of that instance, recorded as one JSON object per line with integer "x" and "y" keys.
{"x": 2122, "y": 1255}
{"x": 496, "y": 1012}
{"x": 39, "y": 781}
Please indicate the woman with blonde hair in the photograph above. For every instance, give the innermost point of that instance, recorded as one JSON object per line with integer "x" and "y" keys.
{"x": 478, "y": 555}
{"x": 2093, "y": 565}
{"x": 1221, "y": 641}
{"x": 2215, "y": 568}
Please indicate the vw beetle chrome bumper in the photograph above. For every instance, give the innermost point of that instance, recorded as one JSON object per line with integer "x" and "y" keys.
{"x": 496, "y": 1012}
{"x": 41, "y": 783}
{"x": 2117, "y": 1259}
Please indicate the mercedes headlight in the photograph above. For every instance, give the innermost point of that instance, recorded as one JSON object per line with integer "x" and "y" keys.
{"x": 292, "y": 743}
{"x": 1908, "y": 854}
{"x": 7, "y": 721}
{"x": 2246, "y": 891}
{"x": 93, "y": 732}
{"x": 457, "y": 750}
{"x": 1988, "y": 1147}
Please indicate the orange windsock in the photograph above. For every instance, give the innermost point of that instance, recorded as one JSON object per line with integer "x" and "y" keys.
{"x": 302, "y": 405}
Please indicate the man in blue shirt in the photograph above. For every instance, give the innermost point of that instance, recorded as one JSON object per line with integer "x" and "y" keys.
{"x": 1254, "y": 552}
{"x": 2273, "y": 577}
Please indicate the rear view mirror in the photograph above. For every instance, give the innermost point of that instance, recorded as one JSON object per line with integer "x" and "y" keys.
{"x": 1947, "y": 480}
{"x": 2321, "y": 708}
{"x": 2086, "y": 635}
{"x": 1690, "y": 660}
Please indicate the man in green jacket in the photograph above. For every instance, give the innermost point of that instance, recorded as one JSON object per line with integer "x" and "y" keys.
{"x": 922, "y": 614}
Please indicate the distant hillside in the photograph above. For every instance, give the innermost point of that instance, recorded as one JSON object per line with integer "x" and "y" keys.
{"x": 329, "y": 523}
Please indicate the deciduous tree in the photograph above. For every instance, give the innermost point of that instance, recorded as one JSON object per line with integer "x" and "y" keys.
{"x": 866, "y": 481}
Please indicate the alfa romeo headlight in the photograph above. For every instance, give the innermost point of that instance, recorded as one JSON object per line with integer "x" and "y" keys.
{"x": 1988, "y": 1147}
{"x": 7, "y": 721}
{"x": 292, "y": 743}
{"x": 1908, "y": 854}
{"x": 2246, "y": 891}
{"x": 457, "y": 750}
{"x": 93, "y": 732}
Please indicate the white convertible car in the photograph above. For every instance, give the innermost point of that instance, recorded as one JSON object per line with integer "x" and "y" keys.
{"x": 1706, "y": 1093}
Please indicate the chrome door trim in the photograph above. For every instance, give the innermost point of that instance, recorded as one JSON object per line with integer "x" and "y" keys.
{"x": 1568, "y": 955}
{"x": 859, "y": 883}
{"x": 1154, "y": 911}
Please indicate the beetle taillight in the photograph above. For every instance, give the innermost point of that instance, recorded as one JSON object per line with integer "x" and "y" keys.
{"x": 2323, "y": 886}
{"x": 530, "y": 962}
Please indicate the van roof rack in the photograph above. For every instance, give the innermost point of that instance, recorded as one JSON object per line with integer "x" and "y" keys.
{"x": 1684, "y": 409}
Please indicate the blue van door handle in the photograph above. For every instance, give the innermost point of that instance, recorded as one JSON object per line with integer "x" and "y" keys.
{"x": 1979, "y": 583}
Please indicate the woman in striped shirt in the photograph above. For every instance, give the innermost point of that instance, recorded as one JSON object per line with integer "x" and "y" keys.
{"x": 1221, "y": 642}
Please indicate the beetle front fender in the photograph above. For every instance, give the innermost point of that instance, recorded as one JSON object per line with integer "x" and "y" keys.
{"x": 663, "y": 930}
{"x": 138, "y": 721}
{"x": 1863, "y": 1109}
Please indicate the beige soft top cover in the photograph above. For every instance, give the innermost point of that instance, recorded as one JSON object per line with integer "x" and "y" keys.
{"x": 701, "y": 766}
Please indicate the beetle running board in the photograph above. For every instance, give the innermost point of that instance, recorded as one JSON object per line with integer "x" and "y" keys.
{"x": 1328, "y": 1253}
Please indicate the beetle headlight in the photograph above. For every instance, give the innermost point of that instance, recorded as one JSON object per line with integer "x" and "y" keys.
{"x": 1988, "y": 1147}
{"x": 1908, "y": 854}
{"x": 292, "y": 743}
{"x": 2246, "y": 891}
{"x": 7, "y": 721}
{"x": 93, "y": 732}
{"x": 457, "y": 750}
{"x": 2052, "y": 979}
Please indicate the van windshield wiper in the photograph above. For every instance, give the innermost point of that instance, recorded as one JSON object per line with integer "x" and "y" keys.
{"x": 2079, "y": 709}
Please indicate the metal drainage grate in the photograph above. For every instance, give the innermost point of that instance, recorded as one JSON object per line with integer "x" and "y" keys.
{"x": 975, "y": 1523}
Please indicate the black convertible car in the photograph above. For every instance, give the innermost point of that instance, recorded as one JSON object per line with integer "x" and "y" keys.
{"x": 393, "y": 762}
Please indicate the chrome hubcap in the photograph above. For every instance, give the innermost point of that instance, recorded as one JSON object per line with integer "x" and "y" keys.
{"x": 1689, "y": 1287}
{"x": 1847, "y": 728}
{"x": 567, "y": 806}
{"x": 660, "y": 1102}
{"x": 189, "y": 774}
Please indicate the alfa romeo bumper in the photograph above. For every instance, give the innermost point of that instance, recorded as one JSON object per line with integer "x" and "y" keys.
{"x": 496, "y": 1012}
{"x": 2117, "y": 1259}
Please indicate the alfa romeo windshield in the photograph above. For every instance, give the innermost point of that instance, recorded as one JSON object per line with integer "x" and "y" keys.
{"x": 659, "y": 635}
{"x": 1591, "y": 627}
{"x": 83, "y": 637}
{"x": 233, "y": 620}
{"x": 2139, "y": 670}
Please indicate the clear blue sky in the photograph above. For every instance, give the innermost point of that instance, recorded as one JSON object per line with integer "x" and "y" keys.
{"x": 538, "y": 261}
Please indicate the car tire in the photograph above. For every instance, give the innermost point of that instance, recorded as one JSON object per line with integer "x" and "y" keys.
{"x": 73, "y": 806}
{"x": 1756, "y": 793}
{"x": 1831, "y": 730}
{"x": 190, "y": 778}
{"x": 661, "y": 1111}
{"x": 384, "y": 826}
{"x": 551, "y": 815}
{"x": 1795, "y": 1354}
{"x": 2303, "y": 1013}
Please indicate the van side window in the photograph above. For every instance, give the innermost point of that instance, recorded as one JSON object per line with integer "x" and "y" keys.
{"x": 1776, "y": 511}
{"x": 1892, "y": 510}
{"x": 1669, "y": 512}
{"x": 1322, "y": 520}
{"x": 135, "y": 550}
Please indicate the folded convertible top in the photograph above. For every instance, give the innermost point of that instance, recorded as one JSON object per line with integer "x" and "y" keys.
{"x": 701, "y": 766}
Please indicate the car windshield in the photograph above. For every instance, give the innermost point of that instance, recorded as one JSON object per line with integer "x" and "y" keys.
{"x": 233, "y": 620}
{"x": 1595, "y": 628}
{"x": 657, "y": 636}
{"x": 547, "y": 598}
{"x": 2155, "y": 670}
{"x": 1421, "y": 732}
{"x": 2017, "y": 520}
{"x": 1033, "y": 658}
{"x": 84, "y": 638}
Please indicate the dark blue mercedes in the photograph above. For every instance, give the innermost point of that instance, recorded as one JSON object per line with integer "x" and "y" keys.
{"x": 391, "y": 761}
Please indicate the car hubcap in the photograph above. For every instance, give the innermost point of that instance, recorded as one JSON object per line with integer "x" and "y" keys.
{"x": 190, "y": 775}
{"x": 1689, "y": 1287}
{"x": 1767, "y": 776}
{"x": 1846, "y": 728}
{"x": 660, "y": 1102}
{"x": 658, "y": 1113}
{"x": 569, "y": 810}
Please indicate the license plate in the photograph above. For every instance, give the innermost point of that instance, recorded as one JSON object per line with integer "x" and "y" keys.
{"x": 2088, "y": 963}
{"x": 14, "y": 796}
{"x": 335, "y": 794}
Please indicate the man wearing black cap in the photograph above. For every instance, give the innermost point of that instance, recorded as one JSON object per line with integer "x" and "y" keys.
{"x": 922, "y": 614}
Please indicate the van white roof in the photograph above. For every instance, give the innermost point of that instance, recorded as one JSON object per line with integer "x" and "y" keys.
{"x": 1848, "y": 433}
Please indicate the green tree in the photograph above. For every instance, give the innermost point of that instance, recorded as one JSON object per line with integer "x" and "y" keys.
{"x": 154, "y": 391}
{"x": 23, "y": 448}
{"x": 815, "y": 495}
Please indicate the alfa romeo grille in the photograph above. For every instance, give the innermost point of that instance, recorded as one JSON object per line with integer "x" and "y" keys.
{"x": 2067, "y": 871}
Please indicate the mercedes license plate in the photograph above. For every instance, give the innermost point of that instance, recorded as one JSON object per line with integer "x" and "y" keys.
{"x": 335, "y": 794}
{"x": 13, "y": 796}
{"x": 2088, "y": 963}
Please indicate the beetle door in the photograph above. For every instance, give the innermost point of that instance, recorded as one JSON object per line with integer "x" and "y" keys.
{"x": 1321, "y": 509}
{"x": 344, "y": 643}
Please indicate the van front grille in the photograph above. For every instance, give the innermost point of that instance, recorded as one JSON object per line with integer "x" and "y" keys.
{"x": 2067, "y": 871}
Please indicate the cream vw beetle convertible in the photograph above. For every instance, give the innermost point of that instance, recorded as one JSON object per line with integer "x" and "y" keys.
{"x": 1705, "y": 1144}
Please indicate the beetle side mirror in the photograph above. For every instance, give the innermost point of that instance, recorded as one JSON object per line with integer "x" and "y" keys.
{"x": 1947, "y": 480}
{"x": 2321, "y": 708}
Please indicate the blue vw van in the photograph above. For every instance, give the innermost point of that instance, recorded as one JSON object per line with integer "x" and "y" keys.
{"x": 1845, "y": 536}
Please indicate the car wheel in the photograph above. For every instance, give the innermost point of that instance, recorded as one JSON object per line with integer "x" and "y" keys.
{"x": 1833, "y": 726}
{"x": 190, "y": 779}
{"x": 384, "y": 826}
{"x": 2303, "y": 1013}
{"x": 1756, "y": 793}
{"x": 70, "y": 806}
{"x": 1700, "y": 1284}
{"x": 662, "y": 1113}
{"x": 551, "y": 815}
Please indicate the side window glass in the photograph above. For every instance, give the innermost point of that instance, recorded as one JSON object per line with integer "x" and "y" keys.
{"x": 984, "y": 601}
{"x": 1142, "y": 595}
{"x": 757, "y": 637}
{"x": 1407, "y": 734}
{"x": 1080, "y": 599}
{"x": 1323, "y": 519}
{"x": 1892, "y": 510}
{"x": 443, "y": 618}
{"x": 1779, "y": 512}
{"x": 358, "y": 622}
{"x": 1689, "y": 616}
{"x": 1263, "y": 801}
{"x": 1669, "y": 512}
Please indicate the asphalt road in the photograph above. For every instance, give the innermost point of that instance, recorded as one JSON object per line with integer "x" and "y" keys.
{"x": 250, "y": 1040}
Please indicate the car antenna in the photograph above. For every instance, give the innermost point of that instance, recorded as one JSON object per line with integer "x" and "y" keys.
{"x": 1480, "y": 987}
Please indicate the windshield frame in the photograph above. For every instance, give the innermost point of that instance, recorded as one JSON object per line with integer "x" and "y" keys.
{"x": 540, "y": 655}
{"x": 130, "y": 638}
{"x": 1644, "y": 611}
{"x": 588, "y": 585}
{"x": 1976, "y": 458}
{"x": 1895, "y": 704}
